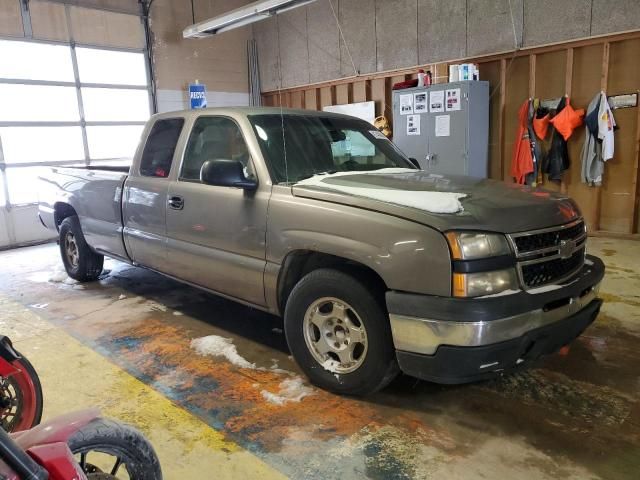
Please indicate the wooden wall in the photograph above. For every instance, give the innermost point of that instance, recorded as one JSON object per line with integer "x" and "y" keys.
{"x": 579, "y": 69}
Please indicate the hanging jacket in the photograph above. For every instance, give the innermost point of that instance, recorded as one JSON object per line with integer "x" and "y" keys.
{"x": 606, "y": 125}
{"x": 536, "y": 147}
{"x": 522, "y": 160}
{"x": 557, "y": 160}
{"x": 591, "y": 155}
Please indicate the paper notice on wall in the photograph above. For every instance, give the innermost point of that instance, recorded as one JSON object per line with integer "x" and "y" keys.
{"x": 420, "y": 102}
{"x": 443, "y": 125}
{"x": 453, "y": 100}
{"x": 436, "y": 101}
{"x": 406, "y": 104}
{"x": 413, "y": 125}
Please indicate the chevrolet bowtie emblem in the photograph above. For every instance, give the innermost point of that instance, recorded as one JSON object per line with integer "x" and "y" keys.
{"x": 567, "y": 247}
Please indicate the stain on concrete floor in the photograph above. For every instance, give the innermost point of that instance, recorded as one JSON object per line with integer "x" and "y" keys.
{"x": 573, "y": 416}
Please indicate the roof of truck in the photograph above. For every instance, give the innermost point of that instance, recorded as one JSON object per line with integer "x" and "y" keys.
{"x": 246, "y": 111}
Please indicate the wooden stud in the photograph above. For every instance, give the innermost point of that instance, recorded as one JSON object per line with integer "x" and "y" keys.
{"x": 568, "y": 81}
{"x": 604, "y": 80}
{"x": 635, "y": 189}
{"x": 568, "y": 78}
{"x": 532, "y": 76}
{"x": 501, "y": 117}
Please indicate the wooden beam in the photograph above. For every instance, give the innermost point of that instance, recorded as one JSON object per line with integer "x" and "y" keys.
{"x": 501, "y": 117}
{"x": 568, "y": 78}
{"x": 635, "y": 189}
{"x": 604, "y": 80}
{"x": 568, "y": 81}
{"x": 532, "y": 76}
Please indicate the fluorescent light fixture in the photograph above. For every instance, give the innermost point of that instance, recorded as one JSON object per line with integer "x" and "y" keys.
{"x": 254, "y": 12}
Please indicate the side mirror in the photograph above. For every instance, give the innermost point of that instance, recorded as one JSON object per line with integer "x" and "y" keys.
{"x": 415, "y": 163}
{"x": 226, "y": 173}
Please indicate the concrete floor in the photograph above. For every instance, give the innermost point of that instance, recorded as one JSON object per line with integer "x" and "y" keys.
{"x": 123, "y": 343}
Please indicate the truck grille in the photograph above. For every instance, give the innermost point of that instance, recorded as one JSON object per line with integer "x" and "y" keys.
{"x": 551, "y": 255}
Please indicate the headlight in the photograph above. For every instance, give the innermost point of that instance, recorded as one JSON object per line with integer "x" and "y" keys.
{"x": 475, "y": 245}
{"x": 484, "y": 283}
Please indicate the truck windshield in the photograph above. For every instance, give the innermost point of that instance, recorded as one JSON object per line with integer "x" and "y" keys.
{"x": 317, "y": 144}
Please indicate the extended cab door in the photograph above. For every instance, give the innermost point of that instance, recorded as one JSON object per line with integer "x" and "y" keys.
{"x": 216, "y": 235}
{"x": 145, "y": 196}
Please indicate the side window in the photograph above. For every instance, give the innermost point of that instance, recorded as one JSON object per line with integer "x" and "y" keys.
{"x": 158, "y": 151}
{"x": 214, "y": 138}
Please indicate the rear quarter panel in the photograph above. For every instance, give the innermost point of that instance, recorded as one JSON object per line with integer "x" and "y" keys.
{"x": 95, "y": 195}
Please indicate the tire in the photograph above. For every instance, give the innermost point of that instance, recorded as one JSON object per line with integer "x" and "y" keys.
{"x": 28, "y": 390}
{"x": 330, "y": 289}
{"x": 84, "y": 265}
{"x": 118, "y": 440}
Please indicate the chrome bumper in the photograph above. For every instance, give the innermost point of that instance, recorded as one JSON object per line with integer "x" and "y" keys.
{"x": 424, "y": 335}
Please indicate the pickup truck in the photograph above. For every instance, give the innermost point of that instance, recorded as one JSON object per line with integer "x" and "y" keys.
{"x": 375, "y": 265}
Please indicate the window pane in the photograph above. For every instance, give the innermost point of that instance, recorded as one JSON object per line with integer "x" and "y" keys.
{"x": 23, "y": 103}
{"x": 107, "y": 66}
{"x": 213, "y": 138}
{"x": 109, "y": 104}
{"x": 41, "y": 144}
{"x": 113, "y": 141}
{"x": 35, "y": 61}
{"x": 160, "y": 146}
{"x": 23, "y": 184}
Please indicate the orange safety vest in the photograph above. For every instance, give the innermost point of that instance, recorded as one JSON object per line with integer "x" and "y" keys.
{"x": 522, "y": 160}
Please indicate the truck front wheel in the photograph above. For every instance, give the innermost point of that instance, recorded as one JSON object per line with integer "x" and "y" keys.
{"x": 80, "y": 262}
{"x": 339, "y": 333}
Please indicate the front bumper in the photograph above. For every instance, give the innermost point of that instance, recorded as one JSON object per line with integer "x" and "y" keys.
{"x": 453, "y": 340}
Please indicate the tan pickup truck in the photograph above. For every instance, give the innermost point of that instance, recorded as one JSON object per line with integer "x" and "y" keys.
{"x": 376, "y": 266}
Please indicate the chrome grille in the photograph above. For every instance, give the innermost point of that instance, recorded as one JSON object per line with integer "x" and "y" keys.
{"x": 550, "y": 255}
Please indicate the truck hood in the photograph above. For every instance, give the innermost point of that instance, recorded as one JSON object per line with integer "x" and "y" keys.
{"x": 482, "y": 204}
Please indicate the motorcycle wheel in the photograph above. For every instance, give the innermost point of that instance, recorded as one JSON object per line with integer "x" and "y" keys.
{"x": 105, "y": 448}
{"x": 20, "y": 398}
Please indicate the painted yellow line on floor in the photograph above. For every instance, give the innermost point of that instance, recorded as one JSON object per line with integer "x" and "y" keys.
{"x": 74, "y": 376}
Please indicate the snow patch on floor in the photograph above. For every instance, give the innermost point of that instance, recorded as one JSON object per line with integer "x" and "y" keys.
{"x": 217, "y": 346}
{"x": 57, "y": 275}
{"x": 433, "y": 202}
{"x": 290, "y": 390}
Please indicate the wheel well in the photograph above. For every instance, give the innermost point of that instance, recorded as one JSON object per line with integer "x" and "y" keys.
{"x": 299, "y": 263}
{"x": 62, "y": 211}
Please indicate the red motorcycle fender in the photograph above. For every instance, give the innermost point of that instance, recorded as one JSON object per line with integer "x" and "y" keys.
{"x": 57, "y": 460}
{"x": 57, "y": 430}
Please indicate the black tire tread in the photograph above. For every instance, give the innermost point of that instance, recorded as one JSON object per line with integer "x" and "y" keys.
{"x": 91, "y": 263}
{"x": 38, "y": 386}
{"x": 106, "y": 435}
{"x": 349, "y": 282}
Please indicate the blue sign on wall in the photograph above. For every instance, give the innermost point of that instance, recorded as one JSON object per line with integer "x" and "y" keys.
{"x": 197, "y": 95}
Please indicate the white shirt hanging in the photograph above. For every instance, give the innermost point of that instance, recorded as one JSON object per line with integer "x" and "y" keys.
{"x": 606, "y": 123}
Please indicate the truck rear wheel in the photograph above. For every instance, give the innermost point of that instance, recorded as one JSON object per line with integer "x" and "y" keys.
{"x": 339, "y": 333}
{"x": 80, "y": 262}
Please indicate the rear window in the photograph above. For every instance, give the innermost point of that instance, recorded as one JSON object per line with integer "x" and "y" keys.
{"x": 161, "y": 144}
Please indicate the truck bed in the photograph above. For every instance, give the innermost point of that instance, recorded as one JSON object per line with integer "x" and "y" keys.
{"x": 95, "y": 193}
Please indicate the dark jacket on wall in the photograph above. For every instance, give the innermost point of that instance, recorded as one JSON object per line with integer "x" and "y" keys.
{"x": 557, "y": 159}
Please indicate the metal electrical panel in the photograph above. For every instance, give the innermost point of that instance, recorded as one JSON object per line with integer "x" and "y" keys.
{"x": 445, "y": 127}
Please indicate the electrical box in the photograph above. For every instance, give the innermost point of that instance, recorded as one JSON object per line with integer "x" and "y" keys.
{"x": 445, "y": 127}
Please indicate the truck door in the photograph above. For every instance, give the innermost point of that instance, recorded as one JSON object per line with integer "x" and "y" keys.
{"x": 145, "y": 196}
{"x": 216, "y": 235}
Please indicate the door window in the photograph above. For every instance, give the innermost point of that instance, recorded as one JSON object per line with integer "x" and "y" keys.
{"x": 214, "y": 138}
{"x": 161, "y": 144}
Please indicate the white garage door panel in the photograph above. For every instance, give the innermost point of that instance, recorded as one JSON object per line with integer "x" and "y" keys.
{"x": 27, "y": 226}
{"x": 4, "y": 235}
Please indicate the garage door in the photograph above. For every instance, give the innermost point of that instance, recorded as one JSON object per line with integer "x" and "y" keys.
{"x": 76, "y": 91}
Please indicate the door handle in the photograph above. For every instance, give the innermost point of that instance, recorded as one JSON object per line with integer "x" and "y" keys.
{"x": 176, "y": 202}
